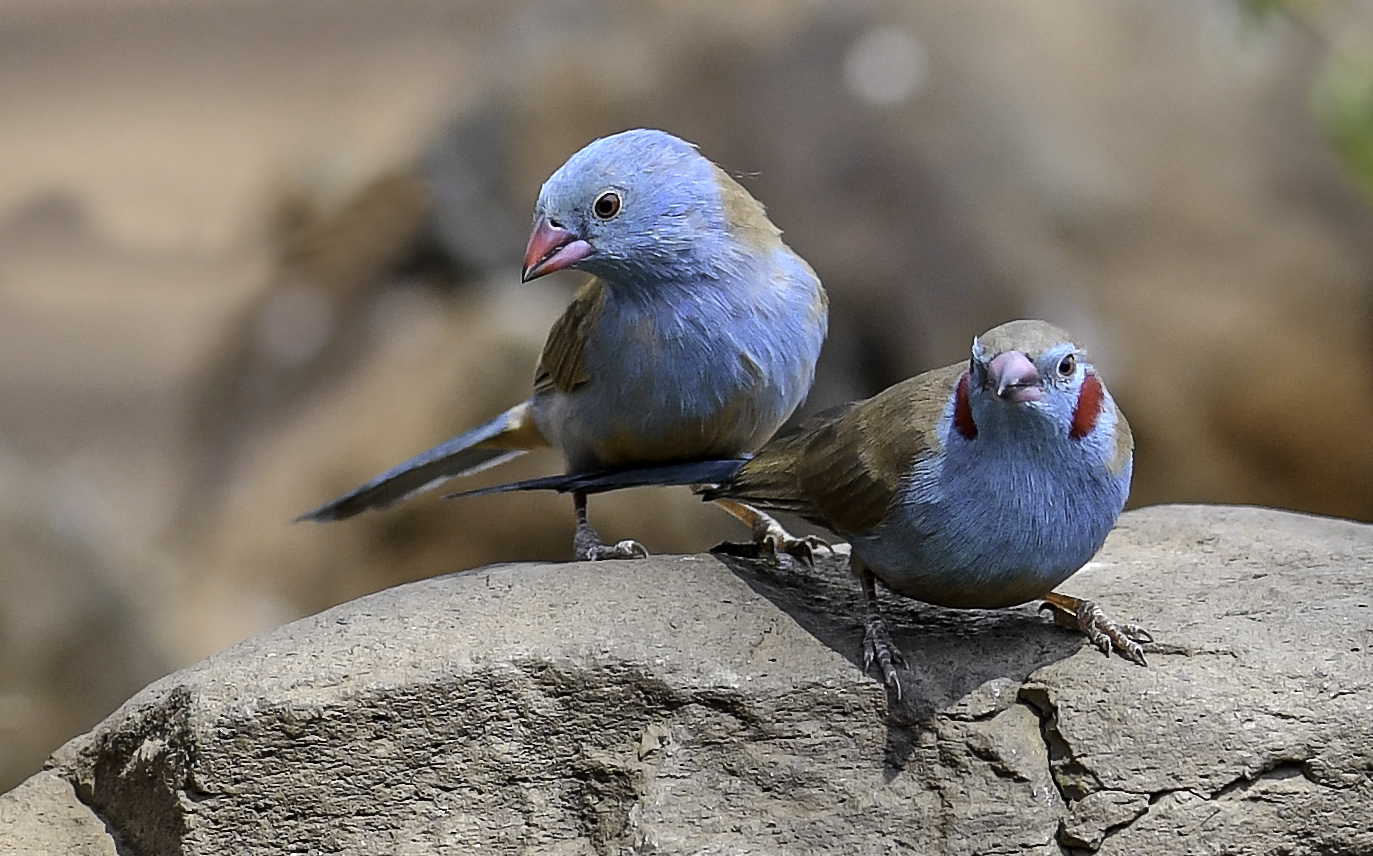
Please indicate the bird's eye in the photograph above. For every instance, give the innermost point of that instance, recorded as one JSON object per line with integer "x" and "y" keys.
{"x": 1067, "y": 365}
{"x": 607, "y": 205}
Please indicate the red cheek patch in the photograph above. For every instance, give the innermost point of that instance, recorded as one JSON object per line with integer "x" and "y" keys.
{"x": 962, "y": 411}
{"x": 1088, "y": 408}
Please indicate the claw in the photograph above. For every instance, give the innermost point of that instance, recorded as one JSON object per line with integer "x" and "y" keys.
{"x": 773, "y": 539}
{"x": 1103, "y": 632}
{"x": 807, "y": 546}
{"x": 770, "y": 538}
{"x": 589, "y": 547}
{"x": 623, "y": 550}
{"x": 878, "y": 646}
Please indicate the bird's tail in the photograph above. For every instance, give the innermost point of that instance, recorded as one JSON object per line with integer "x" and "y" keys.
{"x": 507, "y": 436}
{"x": 599, "y": 481}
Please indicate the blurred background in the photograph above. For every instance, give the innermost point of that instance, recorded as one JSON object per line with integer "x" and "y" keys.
{"x": 253, "y": 253}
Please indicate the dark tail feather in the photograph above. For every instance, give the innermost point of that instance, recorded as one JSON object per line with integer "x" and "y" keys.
{"x": 690, "y": 472}
{"x": 460, "y": 456}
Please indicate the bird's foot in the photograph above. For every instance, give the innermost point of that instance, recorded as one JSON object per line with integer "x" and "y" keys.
{"x": 773, "y": 539}
{"x": 1103, "y": 632}
{"x": 770, "y": 538}
{"x": 879, "y": 648}
{"x": 590, "y": 548}
{"x": 626, "y": 549}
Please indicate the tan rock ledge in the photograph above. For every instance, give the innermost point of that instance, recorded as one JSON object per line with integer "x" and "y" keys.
{"x": 689, "y": 704}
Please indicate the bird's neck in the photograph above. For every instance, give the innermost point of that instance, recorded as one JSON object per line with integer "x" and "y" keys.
{"x": 1062, "y": 431}
{"x": 683, "y": 276}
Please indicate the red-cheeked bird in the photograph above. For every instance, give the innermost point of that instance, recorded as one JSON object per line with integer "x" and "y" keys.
{"x": 978, "y": 485}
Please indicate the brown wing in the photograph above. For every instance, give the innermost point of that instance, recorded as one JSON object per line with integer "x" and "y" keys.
{"x": 771, "y": 480}
{"x": 842, "y": 468}
{"x": 1125, "y": 442}
{"x": 746, "y": 215}
{"x": 562, "y": 366}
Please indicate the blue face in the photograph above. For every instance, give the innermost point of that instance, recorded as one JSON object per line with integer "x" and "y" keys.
{"x": 647, "y": 202}
{"x": 1061, "y": 370}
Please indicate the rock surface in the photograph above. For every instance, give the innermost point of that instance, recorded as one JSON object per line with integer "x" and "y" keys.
{"x": 695, "y": 704}
{"x": 43, "y": 816}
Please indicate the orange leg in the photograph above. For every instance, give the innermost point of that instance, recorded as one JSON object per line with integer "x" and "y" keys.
{"x": 1077, "y": 614}
{"x": 770, "y": 536}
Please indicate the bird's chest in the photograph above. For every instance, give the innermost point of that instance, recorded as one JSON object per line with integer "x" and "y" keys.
{"x": 985, "y": 527}
{"x": 665, "y": 385}
{"x": 670, "y": 361}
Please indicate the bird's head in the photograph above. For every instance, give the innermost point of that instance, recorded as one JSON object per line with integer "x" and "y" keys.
{"x": 638, "y": 205}
{"x": 1029, "y": 373}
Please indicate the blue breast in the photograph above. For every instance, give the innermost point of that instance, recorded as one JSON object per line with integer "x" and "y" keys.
{"x": 691, "y": 370}
{"x": 992, "y": 525}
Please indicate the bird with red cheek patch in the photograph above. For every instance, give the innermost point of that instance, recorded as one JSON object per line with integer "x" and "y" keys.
{"x": 979, "y": 485}
{"x": 997, "y": 481}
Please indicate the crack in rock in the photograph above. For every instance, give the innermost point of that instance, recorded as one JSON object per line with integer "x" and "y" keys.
{"x": 1073, "y": 779}
{"x": 1098, "y": 816}
{"x": 1278, "y": 769}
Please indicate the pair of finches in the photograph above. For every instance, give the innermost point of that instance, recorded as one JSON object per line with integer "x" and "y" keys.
{"x": 985, "y": 484}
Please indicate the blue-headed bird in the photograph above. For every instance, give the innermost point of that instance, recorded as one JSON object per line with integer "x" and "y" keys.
{"x": 695, "y": 338}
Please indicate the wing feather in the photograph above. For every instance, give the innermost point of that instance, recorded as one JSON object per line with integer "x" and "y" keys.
{"x": 843, "y": 468}
{"x": 562, "y": 366}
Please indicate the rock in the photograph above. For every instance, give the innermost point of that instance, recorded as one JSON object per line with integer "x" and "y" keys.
{"x": 697, "y": 704}
{"x": 43, "y": 816}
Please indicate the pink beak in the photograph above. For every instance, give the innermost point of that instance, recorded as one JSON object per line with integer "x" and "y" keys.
{"x": 552, "y": 248}
{"x": 1014, "y": 377}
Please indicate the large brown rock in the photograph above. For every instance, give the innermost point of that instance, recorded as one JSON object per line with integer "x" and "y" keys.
{"x": 691, "y": 704}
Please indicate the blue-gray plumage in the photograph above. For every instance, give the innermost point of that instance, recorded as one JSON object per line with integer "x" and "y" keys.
{"x": 1015, "y": 484}
{"x": 697, "y": 336}
{"x": 982, "y": 484}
